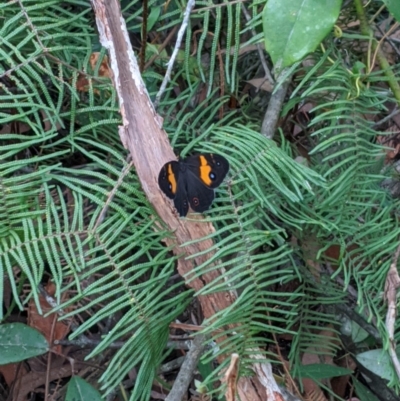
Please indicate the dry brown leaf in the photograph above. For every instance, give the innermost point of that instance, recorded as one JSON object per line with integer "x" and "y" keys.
{"x": 315, "y": 395}
{"x": 28, "y": 383}
{"x": 104, "y": 70}
{"x": 45, "y": 324}
{"x": 261, "y": 84}
{"x": 10, "y": 370}
{"x": 392, "y": 142}
{"x": 82, "y": 83}
{"x": 19, "y": 127}
{"x": 339, "y": 384}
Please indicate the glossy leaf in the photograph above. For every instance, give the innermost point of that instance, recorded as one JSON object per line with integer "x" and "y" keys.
{"x": 394, "y": 8}
{"x": 153, "y": 17}
{"x": 294, "y": 28}
{"x": 378, "y": 362}
{"x": 80, "y": 390}
{"x": 358, "y": 334}
{"x": 362, "y": 392}
{"x": 19, "y": 342}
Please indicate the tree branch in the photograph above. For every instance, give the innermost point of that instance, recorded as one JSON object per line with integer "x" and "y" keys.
{"x": 273, "y": 112}
{"x": 187, "y": 369}
{"x": 142, "y": 134}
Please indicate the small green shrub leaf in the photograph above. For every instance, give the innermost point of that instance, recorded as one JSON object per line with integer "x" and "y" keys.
{"x": 358, "y": 334}
{"x": 19, "y": 342}
{"x": 362, "y": 392}
{"x": 294, "y": 28}
{"x": 318, "y": 371}
{"x": 394, "y": 8}
{"x": 80, "y": 390}
{"x": 378, "y": 362}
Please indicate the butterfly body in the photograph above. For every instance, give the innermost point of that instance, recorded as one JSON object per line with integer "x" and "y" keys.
{"x": 191, "y": 181}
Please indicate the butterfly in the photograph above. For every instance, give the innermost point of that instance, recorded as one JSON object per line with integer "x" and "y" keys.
{"x": 192, "y": 180}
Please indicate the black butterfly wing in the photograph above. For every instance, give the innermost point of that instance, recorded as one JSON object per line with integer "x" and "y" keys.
{"x": 200, "y": 196}
{"x": 210, "y": 168}
{"x": 192, "y": 181}
{"x": 203, "y": 173}
{"x": 168, "y": 178}
{"x": 172, "y": 182}
{"x": 181, "y": 199}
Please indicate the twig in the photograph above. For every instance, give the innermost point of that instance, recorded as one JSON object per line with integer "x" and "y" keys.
{"x": 231, "y": 377}
{"x": 103, "y": 212}
{"x": 182, "y": 29}
{"x": 389, "y": 39}
{"x": 185, "y": 326}
{"x": 186, "y": 372}
{"x": 387, "y": 118}
{"x": 350, "y": 289}
{"x": 349, "y": 312}
{"x": 53, "y": 303}
{"x": 380, "y": 35}
{"x": 48, "y": 367}
{"x": 142, "y": 54}
{"x": 85, "y": 342}
{"x": 383, "y": 62}
{"x": 391, "y": 285}
{"x": 274, "y": 108}
{"x": 354, "y": 316}
{"x": 18, "y": 66}
{"x": 379, "y": 45}
{"x": 288, "y": 377}
{"x": 161, "y": 48}
{"x": 259, "y": 49}
{"x": 31, "y": 24}
{"x": 172, "y": 365}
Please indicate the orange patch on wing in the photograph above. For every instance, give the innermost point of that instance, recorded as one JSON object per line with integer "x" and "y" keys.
{"x": 171, "y": 178}
{"x": 205, "y": 170}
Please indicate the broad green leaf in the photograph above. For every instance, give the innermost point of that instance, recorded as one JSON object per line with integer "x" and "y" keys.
{"x": 394, "y": 8}
{"x": 378, "y": 362}
{"x": 294, "y": 28}
{"x": 362, "y": 392}
{"x": 80, "y": 390}
{"x": 205, "y": 369}
{"x": 153, "y": 17}
{"x": 358, "y": 334}
{"x": 318, "y": 371}
{"x": 19, "y": 342}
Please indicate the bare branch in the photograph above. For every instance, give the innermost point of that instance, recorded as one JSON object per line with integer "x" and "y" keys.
{"x": 182, "y": 29}
{"x": 274, "y": 108}
{"x": 186, "y": 372}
